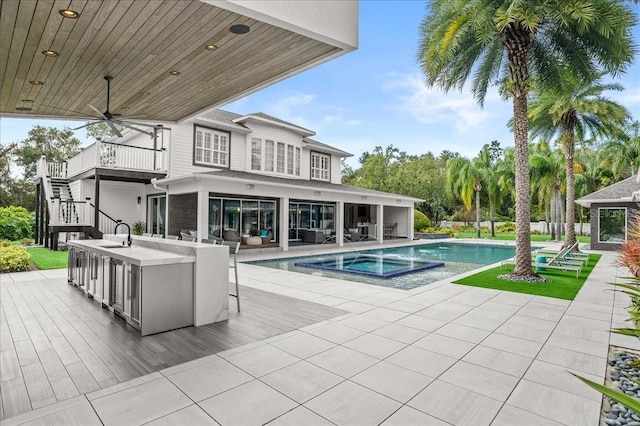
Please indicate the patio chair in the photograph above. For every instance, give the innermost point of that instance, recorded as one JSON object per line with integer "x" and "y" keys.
{"x": 212, "y": 240}
{"x": 186, "y": 237}
{"x": 234, "y": 248}
{"x": 567, "y": 254}
{"x": 231, "y": 235}
{"x": 554, "y": 263}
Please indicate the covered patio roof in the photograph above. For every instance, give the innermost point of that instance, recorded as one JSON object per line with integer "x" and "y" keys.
{"x": 54, "y": 66}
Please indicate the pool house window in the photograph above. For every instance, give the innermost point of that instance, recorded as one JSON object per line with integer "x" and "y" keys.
{"x": 320, "y": 166}
{"x": 280, "y": 158}
{"x": 612, "y": 225}
{"x": 211, "y": 147}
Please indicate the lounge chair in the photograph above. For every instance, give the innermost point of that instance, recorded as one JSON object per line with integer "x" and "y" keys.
{"x": 555, "y": 263}
{"x": 566, "y": 255}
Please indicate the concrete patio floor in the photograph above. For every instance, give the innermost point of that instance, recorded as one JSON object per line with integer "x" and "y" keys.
{"x": 437, "y": 355}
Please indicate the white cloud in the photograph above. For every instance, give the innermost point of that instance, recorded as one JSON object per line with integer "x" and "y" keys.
{"x": 432, "y": 106}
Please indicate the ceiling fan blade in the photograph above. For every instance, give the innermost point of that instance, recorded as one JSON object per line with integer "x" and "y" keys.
{"x": 135, "y": 128}
{"x": 98, "y": 112}
{"x": 86, "y": 125}
{"x": 113, "y": 128}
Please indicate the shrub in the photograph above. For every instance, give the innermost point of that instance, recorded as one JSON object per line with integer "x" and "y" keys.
{"x": 507, "y": 227}
{"x": 420, "y": 221}
{"x": 16, "y": 223}
{"x": 139, "y": 228}
{"x": 14, "y": 259}
{"x": 440, "y": 231}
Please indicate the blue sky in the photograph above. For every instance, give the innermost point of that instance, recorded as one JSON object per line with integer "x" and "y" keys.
{"x": 377, "y": 96}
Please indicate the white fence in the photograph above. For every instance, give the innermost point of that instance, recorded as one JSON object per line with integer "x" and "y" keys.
{"x": 534, "y": 226}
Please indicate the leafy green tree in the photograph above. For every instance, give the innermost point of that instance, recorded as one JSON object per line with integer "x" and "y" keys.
{"x": 573, "y": 111}
{"x": 508, "y": 41}
{"x": 56, "y": 145}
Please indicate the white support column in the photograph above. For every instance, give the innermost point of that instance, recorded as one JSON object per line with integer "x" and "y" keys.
{"x": 284, "y": 223}
{"x": 380, "y": 222}
{"x": 340, "y": 223}
{"x": 410, "y": 222}
{"x": 203, "y": 215}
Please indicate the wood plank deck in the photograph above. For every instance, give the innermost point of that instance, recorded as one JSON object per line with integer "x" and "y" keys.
{"x": 56, "y": 343}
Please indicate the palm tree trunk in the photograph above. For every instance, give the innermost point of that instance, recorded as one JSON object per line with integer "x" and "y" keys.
{"x": 558, "y": 215}
{"x": 553, "y": 216}
{"x": 571, "y": 194}
{"x": 477, "y": 213}
{"x": 517, "y": 42}
{"x": 492, "y": 209}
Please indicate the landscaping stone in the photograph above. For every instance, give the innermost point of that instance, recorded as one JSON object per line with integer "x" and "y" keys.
{"x": 618, "y": 374}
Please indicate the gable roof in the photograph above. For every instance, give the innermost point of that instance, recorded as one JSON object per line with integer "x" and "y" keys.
{"x": 260, "y": 116}
{"x": 620, "y": 191}
{"x": 313, "y": 144}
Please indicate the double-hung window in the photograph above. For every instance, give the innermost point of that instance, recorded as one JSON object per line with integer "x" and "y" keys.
{"x": 280, "y": 158}
{"x": 211, "y": 147}
{"x": 297, "y": 161}
{"x": 268, "y": 155}
{"x": 256, "y": 153}
{"x": 289, "y": 159}
{"x": 320, "y": 166}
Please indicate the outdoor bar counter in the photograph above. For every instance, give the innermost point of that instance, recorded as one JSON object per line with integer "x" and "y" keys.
{"x": 155, "y": 284}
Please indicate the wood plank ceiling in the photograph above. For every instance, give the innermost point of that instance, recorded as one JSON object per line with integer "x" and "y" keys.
{"x": 137, "y": 42}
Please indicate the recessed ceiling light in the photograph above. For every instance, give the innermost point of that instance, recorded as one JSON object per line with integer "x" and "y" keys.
{"x": 124, "y": 108}
{"x": 239, "y": 29}
{"x": 68, "y": 13}
{"x": 36, "y": 82}
{"x": 174, "y": 72}
{"x": 211, "y": 47}
{"x": 50, "y": 53}
{"x": 28, "y": 101}
{"x": 145, "y": 93}
{"x": 23, "y": 109}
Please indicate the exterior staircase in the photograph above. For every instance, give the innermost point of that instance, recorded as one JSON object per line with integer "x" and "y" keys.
{"x": 62, "y": 214}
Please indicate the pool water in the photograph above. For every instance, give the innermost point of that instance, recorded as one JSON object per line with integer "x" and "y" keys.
{"x": 370, "y": 265}
{"x": 457, "y": 257}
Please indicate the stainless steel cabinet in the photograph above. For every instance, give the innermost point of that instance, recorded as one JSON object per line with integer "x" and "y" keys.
{"x": 116, "y": 285}
{"x": 134, "y": 296}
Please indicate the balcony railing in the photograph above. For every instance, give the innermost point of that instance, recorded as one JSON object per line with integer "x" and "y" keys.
{"x": 116, "y": 156}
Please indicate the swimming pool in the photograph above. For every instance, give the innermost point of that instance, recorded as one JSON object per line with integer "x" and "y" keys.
{"x": 458, "y": 258}
{"x": 370, "y": 265}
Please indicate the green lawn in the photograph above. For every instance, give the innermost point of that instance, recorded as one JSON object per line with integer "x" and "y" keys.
{"x": 47, "y": 259}
{"x": 538, "y": 238}
{"x": 561, "y": 285}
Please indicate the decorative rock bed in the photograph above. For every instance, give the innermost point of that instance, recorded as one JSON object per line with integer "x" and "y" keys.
{"x": 618, "y": 375}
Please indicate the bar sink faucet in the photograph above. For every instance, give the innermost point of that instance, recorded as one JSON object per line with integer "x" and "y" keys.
{"x": 115, "y": 231}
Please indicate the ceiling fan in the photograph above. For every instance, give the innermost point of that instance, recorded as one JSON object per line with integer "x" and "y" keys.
{"x": 111, "y": 119}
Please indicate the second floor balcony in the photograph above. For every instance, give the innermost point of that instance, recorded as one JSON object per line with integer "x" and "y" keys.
{"x": 111, "y": 158}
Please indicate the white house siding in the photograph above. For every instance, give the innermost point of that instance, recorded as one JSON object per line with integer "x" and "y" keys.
{"x": 336, "y": 173}
{"x": 238, "y": 150}
{"x": 119, "y": 199}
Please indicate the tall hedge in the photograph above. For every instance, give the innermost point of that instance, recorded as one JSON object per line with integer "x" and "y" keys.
{"x": 16, "y": 223}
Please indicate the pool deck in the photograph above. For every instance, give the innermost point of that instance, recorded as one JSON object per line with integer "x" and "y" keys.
{"x": 436, "y": 355}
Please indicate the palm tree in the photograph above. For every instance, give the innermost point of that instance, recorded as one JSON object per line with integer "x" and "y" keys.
{"x": 574, "y": 110}
{"x": 487, "y": 162}
{"x": 510, "y": 40}
{"x": 547, "y": 175}
{"x": 623, "y": 150}
{"x": 464, "y": 177}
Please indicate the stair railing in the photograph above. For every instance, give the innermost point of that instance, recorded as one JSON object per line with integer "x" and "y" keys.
{"x": 106, "y": 224}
